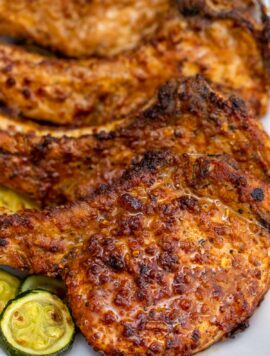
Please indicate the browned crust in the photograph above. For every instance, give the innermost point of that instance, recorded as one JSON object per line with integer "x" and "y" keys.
{"x": 85, "y": 93}
{"x": 188, "y": 116}
{"x": 83, "y": 28}
{"x": 192, "y": 216}
{"x": 244, "y": 12}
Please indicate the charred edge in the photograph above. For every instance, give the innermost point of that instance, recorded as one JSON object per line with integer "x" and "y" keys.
{"x": 116, "y": 263}
{"x": 264, "y": 223}
{"x": 238, "y": 106}
{"x": 39, "y": 151}
{"x": 187, "y": 203}
{"x": 197, "y": 95}
{"x": 7, "y": 221}
{"x": 201, "y": 170}
{"x": 130, "y": 203}
{"x": 102, "y": 189}
{"x": 257, "y": 194}
{"x": 3, "y": 242}
{"x": 191, "y": 8}
{"x": 166, "y": 101}
{"x": 238, "y": 329}
{"x": 105, "y": 136}
{"x": 149, "y": 163}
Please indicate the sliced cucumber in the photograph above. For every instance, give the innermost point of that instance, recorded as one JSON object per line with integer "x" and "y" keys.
{"x": 36, "y": 323}
{"x": 9, "y": 285}
{"x": 42, "y": 282}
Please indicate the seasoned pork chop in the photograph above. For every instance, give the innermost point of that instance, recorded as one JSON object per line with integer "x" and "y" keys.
{"x": 79, "y": 28}
{"x": 187, "y": 116}
{"x": 166, "y": 261}
{"x": 229, "y": 49}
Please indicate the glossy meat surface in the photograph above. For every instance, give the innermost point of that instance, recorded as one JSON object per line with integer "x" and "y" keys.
{"x": 166, "y": 261}
{"x": 188, "y": 116}
{"x": 170, "y": 254}
{"x": 82, "y": 28}
{"x": 229, "y": 49}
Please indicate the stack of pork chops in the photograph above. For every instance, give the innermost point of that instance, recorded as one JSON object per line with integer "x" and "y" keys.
{"x": 137, "y": 134}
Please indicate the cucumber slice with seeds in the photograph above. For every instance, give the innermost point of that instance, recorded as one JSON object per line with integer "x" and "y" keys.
{"x": 9, "y": 285}
{"x": 36, "y": 323}
{"x": 42, "y": 282}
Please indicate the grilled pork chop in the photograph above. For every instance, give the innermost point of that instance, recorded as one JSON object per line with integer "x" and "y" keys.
{"x": 79, "y": 28}
{"x": 228, "y": 48}
{"x": 166, "y": 261}
{"x": 187, "y": 116}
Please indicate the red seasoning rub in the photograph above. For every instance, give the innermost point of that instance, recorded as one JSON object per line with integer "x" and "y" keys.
{"x": 228, "y": 47}
{"x": 186, "y": 116}
{"x": 169, "y": 259}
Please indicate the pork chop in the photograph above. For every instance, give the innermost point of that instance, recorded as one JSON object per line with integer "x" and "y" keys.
{"x": 230, "y": 47}
{"x": 187, "y": 116}
{"x": 166, "y": 261}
